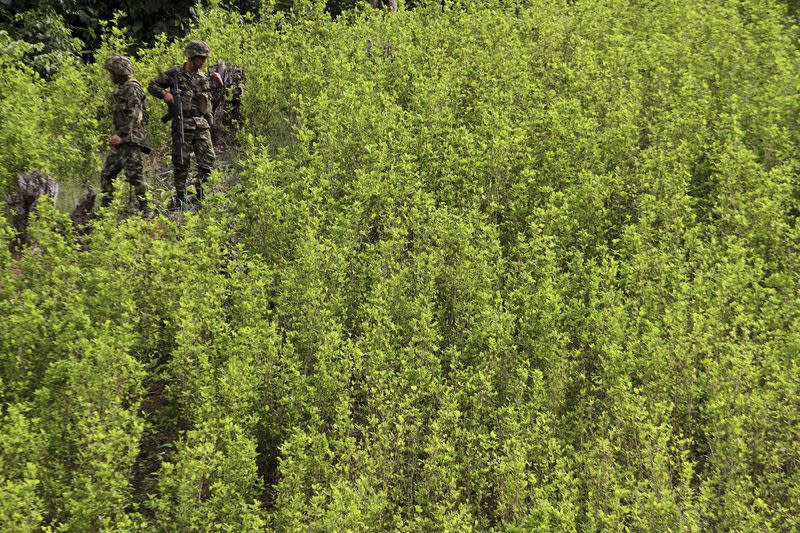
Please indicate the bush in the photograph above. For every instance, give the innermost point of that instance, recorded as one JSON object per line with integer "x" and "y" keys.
{"x": 490, "y": 268}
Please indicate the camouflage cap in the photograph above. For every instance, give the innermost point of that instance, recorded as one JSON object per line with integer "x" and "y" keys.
{"x": 197, "y": 48}
{"x": 119, "y": 65}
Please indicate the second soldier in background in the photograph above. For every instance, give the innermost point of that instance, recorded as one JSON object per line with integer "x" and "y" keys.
{"x": 194, "y": 88}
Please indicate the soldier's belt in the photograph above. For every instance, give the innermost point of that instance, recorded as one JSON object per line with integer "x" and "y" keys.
{"x": 186, "y": 114}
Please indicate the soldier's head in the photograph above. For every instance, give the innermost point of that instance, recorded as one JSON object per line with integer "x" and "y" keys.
{"x": 119, "y": 68}
{"x": 196, "y": 54}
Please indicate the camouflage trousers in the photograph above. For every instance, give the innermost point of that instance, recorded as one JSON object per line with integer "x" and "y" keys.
{"x": 123, "y": 157}
{"x": 199, "y": 142}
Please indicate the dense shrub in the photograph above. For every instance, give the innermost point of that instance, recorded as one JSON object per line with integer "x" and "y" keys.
{"x": 494, "y": 267}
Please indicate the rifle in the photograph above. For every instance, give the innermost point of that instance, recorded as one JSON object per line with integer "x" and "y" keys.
{"x": 176, "y": 112}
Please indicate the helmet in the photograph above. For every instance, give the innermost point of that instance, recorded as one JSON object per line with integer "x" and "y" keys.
{"x": 119, "y": 65}
{"x": 197, "y": 48}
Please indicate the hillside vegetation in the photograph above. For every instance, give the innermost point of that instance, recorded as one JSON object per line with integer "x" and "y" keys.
{"x": 517, "y": 267}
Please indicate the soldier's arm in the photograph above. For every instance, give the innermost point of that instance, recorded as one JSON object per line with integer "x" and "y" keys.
{"x": 160, "y": 84}
{"x": 134, "y": 110}
{"x": 209, "y": 111}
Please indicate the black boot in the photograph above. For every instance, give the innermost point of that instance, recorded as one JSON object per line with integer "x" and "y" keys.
{"x": 199, "y": 192}
{"x": 144, "y": 207}
{"x": 179, "y": 200}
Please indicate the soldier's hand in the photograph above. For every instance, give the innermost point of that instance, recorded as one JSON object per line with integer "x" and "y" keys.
{"x": 168, "y": 98}
{"x": 115, "y": 140}
{"x": 217, "y": 78}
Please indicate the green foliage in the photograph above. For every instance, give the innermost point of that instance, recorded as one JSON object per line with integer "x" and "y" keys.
{"x": 212, "y": 483}
{"x": 45, "y": 126}
{"x": 491, "y": 267}
{"x": 20, "y": 447}
{"x": 41, "y": 35}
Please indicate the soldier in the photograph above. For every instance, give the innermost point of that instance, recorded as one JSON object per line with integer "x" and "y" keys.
{"x": 194, "y": 88}
{"x": 128, "y": 138}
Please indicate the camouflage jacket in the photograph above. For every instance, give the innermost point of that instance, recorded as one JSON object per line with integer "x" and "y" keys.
{"x": 128, "y": 111}
{"x": 195, "y": 95}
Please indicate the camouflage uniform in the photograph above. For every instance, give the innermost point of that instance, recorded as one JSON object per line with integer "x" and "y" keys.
{"x": 128, "y": 113}
{"x": 198, "y": 119}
